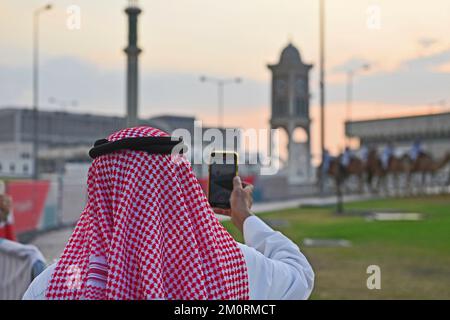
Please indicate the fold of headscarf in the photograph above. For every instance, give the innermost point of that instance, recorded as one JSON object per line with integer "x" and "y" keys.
{"x": 147, "y": 232}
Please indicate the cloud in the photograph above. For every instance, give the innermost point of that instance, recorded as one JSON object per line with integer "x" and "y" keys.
{"x": 14, "y": 84}
{"x": 414, "y": 82}
{"x": 103, "y": 90}
{"x": 65, "y": 78}
{"x": 428, "y": 61}
{"x": 350, "y": 64}
{"x": 427, "y": 42}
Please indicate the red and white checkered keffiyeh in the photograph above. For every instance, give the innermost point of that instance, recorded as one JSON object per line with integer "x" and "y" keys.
{"x": 147, "y": 232}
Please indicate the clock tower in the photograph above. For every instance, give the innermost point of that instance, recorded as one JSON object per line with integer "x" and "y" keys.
{"x": 290, "y": 109}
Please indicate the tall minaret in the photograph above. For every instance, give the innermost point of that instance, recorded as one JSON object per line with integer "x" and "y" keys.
{"x": 132, "y": 51}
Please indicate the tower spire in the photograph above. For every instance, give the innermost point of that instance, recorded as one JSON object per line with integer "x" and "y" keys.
{"x": 290, "y": 38}
{"x": 132, "y": 51}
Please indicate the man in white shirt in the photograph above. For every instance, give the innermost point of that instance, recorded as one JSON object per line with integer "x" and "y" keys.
{"x": 267, "y": 266}
{"x": 276, "y": 267}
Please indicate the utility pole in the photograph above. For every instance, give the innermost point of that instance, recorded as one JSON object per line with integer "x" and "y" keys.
{"x": 322, "y": 82}
{"x": 349, "y": 95}
{"x": 35, "y": 150}
{"x": 220, "y": 94}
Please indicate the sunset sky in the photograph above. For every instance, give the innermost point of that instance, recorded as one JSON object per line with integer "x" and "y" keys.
{"x": 409, "y": 56}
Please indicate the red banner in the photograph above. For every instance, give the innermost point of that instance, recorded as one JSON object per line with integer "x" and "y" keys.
{"x": 28, "y": 199}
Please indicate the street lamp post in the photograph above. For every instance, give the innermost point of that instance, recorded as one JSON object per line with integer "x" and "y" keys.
{"x": 62, "y": 103}
{"x": 220, "y": 94}
{"x": 350, "y": 75}
{"x": 36, "y": 14}
{"x": 349, "y": 94}
{"x": 322, "y": 83}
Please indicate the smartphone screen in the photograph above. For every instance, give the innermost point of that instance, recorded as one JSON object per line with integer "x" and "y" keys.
{"x": 222, "y": 170}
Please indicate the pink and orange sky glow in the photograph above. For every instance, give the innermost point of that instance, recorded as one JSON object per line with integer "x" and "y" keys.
{"x": 408, "y": 49}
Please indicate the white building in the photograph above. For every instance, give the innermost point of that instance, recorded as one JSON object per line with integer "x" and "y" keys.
{"x": 16, "y": 160}
{"x": 432, "y": 130}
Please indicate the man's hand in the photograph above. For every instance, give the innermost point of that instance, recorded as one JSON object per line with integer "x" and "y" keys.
{"x": 241, "y": 201}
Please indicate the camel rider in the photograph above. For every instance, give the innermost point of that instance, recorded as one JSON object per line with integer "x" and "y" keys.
{"x": 388, "y": 152}
{"x": 364, "y": 153}
{"x": 416, "y": 150}
{"x": 326, "y": 161}
{"x": 346, "y": 157}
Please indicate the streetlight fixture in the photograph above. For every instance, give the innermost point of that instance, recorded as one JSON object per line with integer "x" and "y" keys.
{"x": 36, "y": 15}
{"x": 62, "y": 103}
{"x": 350, "y": 75}
{"x": 220, "y": 93}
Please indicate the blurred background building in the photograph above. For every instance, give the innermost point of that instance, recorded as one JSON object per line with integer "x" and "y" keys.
{"x": 66, "y": 137}
{"x": 433, "y": 130}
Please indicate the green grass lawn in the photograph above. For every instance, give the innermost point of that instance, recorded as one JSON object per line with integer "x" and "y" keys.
{"x": 414, "y": 256}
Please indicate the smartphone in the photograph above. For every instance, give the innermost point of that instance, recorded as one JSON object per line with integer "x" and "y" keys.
{"x": 223, "y": 168}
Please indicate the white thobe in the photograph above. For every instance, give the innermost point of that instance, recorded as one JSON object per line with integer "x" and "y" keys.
{"x": 276, "y": 267}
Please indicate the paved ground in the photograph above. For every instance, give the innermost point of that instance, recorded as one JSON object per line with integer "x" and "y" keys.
{"x": 52, "y": 243}
{"x": 313, "y": 201}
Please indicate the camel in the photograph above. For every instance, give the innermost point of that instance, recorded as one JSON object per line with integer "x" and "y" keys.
{"x": 357, "y": 168}
{"x": 333, "y": 170}
{"x": 438, "y": 165}
{"x": 340, "y": 174}
{"x": 374, "y": 168}
{"x": 336, "y": 173}
{"x": 425, "y": 164}
{"x": 396, "y": 166}
{"x": 422, "y": 165}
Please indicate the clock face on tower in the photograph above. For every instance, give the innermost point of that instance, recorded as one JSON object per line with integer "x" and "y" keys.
{"x": 280, "y": 87}
{"x": 300, "y": 87}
